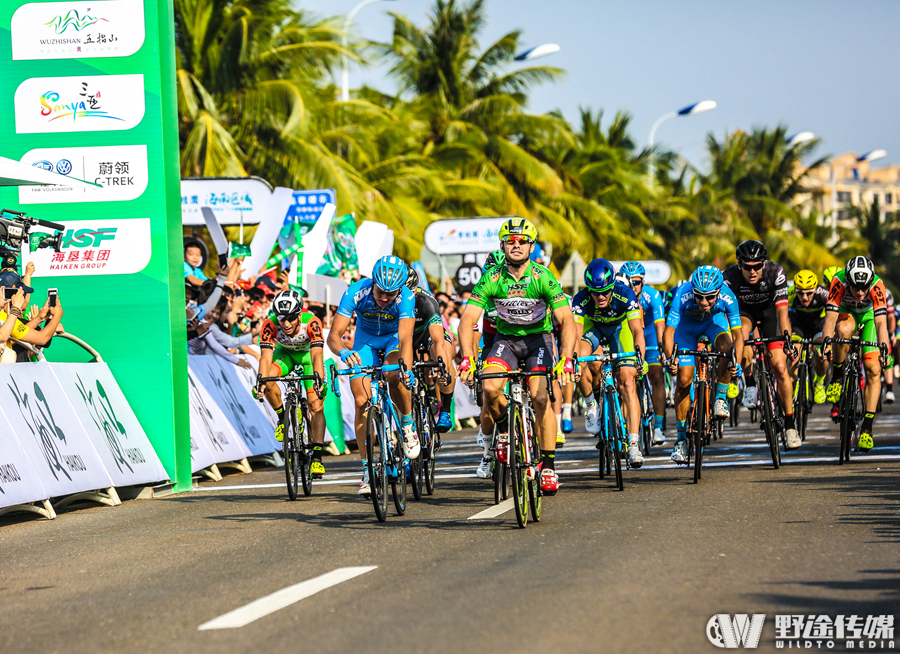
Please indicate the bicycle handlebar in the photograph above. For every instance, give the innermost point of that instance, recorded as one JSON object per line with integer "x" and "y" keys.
{"x": 318, "y": 385}
{"x": 852, "y": 341}
{"x": 481, "y": 376}
{"x": 612, "y": 356}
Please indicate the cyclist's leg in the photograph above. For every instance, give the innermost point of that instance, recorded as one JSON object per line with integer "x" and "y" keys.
{"x": 487, "y": 420}
{"x": 820, "y": 365}
{"x": 621, "y": 340}
{"x": 366, "y": 346}
{"x": 686, "y": 336}
{"x": 444, "y": 349}
{"x": 538, "y": 355}
{"x": 657, "y": 380}
{"x": 748, "y": 326}
{"x": 872, "y": 366}
{"x": 586, "y": 347}
{"x": 845, "y": 328}
{"x": 316, "y": 405}
{"x": 282, "y": 364}
{"x": 502, "y": 357}
{"x": 402, "y": 398}
{"x": 719, "y": 334}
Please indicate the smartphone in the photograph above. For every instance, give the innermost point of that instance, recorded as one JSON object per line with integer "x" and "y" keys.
{"x": 51, "y": 296}
{"x": 9, "y": 292}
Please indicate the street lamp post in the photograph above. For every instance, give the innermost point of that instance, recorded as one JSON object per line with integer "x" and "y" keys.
{"x": 800, "y": 137}
{"x": 873, "y": 155}
{"x": 345, "y": 73}
{"x": 690, "y": 110}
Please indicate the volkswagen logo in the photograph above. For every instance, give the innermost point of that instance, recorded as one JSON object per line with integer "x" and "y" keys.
{"x": 64, "y": 166}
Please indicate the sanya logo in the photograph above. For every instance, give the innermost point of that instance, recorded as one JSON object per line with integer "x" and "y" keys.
{"x": 724, "y": 631}
{"x": 86, "y": 105}
{"x": 75, "y": 20}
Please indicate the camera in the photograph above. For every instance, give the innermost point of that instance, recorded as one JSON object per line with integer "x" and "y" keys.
{"x": 15, "y": 227}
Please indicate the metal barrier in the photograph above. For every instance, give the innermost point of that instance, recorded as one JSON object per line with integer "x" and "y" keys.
{"x": 39, "y": 354}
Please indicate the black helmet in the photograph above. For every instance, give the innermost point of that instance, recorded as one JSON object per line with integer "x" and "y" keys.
{"x": 752, "y": 251}
{"x": 860, "y": 273}
{"x": 412, "y": 279}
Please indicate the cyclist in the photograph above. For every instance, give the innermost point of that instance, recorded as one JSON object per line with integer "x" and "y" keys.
{"x": 651, "y": 302}
{"x": 524, "y": 294}
{"x": 828, "y": 275}
{"x": 806, "y": 302}
{"x": 488, "y": 333}
{"x": 607, "y": 312}
{"x": 430, "y": 336}
{"x": 761, "y": 289}
{"x": 385, "y": 319}
{"x": 704, "y": 306}
{"x": 856, "y": 302}
{"x": 291, "y": 339}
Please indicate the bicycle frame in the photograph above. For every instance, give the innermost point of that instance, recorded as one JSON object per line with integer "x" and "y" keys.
{"x": 853, "y": 399}
{"x": 772, "y": 413}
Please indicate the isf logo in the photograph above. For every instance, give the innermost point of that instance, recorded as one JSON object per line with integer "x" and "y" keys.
{"x": 724, "y": 631}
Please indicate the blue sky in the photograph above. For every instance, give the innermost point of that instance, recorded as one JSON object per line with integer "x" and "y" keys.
{"x": 825, "y": 66}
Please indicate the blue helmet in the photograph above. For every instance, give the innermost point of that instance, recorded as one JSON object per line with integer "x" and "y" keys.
{"x": 633, "y": 269}
{"x": 599, "y": 276}
{"x": 707, "y": 280}
{"x": 390, "y": 274}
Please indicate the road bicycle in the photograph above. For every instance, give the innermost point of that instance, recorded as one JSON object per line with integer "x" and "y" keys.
{"x": 520, "y": 454}
{"x": 702, "y": 425}
{"x": 612, "y": 443}
{"x": 853, "y": 401}
{"x": 770, "y": 411}
{"x": 645, "y": 396}
{"x": 296, "y": 446}
{"x": 385, "y": 462}
{"x": 425, "y": 405}
{"x": 803, "y": 386}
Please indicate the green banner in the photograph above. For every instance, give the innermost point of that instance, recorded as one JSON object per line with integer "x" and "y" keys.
{"x": 341, "y": 251}
{"x": 90, "y": 90}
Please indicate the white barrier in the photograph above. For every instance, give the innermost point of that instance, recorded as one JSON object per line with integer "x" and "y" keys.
{"x": 19, "y": 482}
{"x": 213, "y": 439}
{"x": 49, "y": 431}
{"x": 110, "y": 423}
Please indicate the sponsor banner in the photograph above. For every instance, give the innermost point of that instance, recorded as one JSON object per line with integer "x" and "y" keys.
{"x": 658, "y": 272}
{"x": 84, "y": 103}
{"x": 94, "y": 247}
{"x": 77, "y": 30}
{"x": 48, "y": 429}
{"x": 213, "y": 440}
{"x": 220, "y": 380}
{"x": 231, "y": 200}
{"x": 464, "y": 235}
{"x": 19, "y": 483}
{"x": 110, "y": 423}
{"x": 248, "y": 380}
{"x": 306, "y": 209}
{"x": 120, "y": 169}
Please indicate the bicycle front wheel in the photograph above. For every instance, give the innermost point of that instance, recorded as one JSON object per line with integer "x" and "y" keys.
{"x": 375, "y": 450}
{"x": 768, "y": 418}
{"x": 417, "y": 465}
{"x": 800, "y": 409}
{"x": 517, "y": 467}
{"x": 534, "y": 481}
{"x": 701, "y": 415}
{"x": 303, "y": 453}
{"x": 618, "y": 439}
{"x": 848, "y": 412}
{"x": 398, "y": 488}
{"x": 289, "y": 450}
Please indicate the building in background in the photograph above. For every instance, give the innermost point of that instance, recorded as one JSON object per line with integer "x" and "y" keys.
{"x": 856, "y": 184}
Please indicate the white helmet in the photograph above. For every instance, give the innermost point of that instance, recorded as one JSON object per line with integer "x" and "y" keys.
{"x": 859, "y": 273}
{"x": 287, "y": 305}
{"x": 623, "y": 278}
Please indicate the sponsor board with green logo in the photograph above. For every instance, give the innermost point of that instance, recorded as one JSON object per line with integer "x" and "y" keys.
{"x": 91, "y": 89}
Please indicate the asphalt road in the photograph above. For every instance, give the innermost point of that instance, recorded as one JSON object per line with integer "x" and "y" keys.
{"x": 636, "y": 571}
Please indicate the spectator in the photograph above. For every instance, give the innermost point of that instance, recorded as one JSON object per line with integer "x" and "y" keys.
{"x": 201, "y": 341}
{"x": 9, "y": 315}
{"x": 221, "y": 318}
{"x": 30, "y": 332}
{"x": 194, "y": 261}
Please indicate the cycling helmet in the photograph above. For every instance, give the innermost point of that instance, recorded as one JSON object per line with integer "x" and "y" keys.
{"x": 518, "y": 227}
{"x": 623, "y": 278}
{"x": 860, "y": 273}
{"x": 412, "y": 279}
{"x": 707, "y": 280}
{"x": 287, "y": 305}
{"x": 829, "y": 273}
{"x": 805, "y": 280}
{"x": 390, "y": 273}
{"x": 633, "y": 269}
{"x": 751, "y": 251}
{"x": 600, "y": 276}
{"x": 495, "y": 258}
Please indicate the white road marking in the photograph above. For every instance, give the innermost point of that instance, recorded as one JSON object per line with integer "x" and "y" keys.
{"x": 285, "y": 597}
{"x": 494, "y": 511}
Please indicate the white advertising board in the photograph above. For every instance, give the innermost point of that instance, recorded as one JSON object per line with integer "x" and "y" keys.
{"x": 231, "y": 200}
{"x": 48, "y": 429}
{"x": 110, "y": 423}
{"x": 213, "y": 440}
{"x": 658, "y": 272}
{"x": 19, "y": 483}
{"x": 463, "y": 235}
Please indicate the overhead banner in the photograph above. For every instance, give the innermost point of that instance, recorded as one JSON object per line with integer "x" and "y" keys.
{"x": 19, "y": 482}
{"x": 232, "y": 200}
{"x": 90, "y": 94}
{"x": 464, "y": 235}
{"x": 658, "y": 272}
{"x": 110, "y": 423}
{"x": 48, "y": 429}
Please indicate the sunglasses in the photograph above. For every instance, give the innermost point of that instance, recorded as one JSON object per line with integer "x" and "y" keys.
{"x": 710, "y": 297}
{"x": 637, "y": 280}
{"x": 512, "y": 240}
{"x": 606, "y": 292}
{"x": 753, "y": 266}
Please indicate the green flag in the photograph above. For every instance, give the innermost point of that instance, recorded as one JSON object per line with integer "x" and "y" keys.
{"x": 341, "y": 250}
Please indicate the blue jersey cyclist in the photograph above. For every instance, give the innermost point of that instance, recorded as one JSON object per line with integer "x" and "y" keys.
{"x": 607, "y": 313}
{"x": 701, "y": 307}
{"x": 653, "y": 306}
{"x": 385, "y": 320}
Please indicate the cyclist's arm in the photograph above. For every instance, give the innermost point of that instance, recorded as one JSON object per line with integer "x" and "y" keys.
{"x": 668, "y": 341}
{"x": 637, "y": 329}
{"x": 265, "y": 359}
{"x": 405, "y": 329}
{"x": 466, "y": 329}
{"x": 317, "y": 356}
{"x": 831, "y": 318}
{"x": 339, "y": 325}
{"x": 737, "y": 334}
{"x": 784, "y": 320}
{"x": 568, "y": 331}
